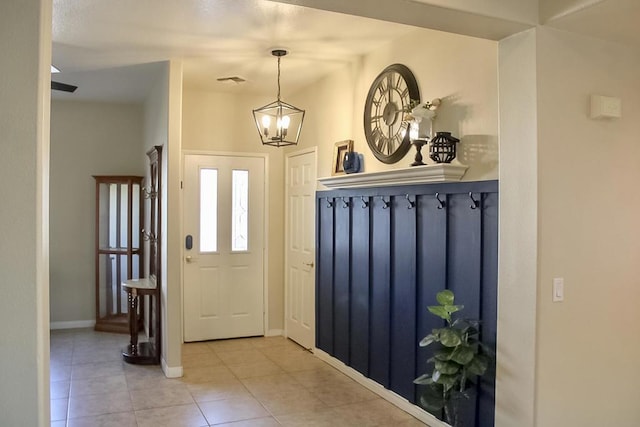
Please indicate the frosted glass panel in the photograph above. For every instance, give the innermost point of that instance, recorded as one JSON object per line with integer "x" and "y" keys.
{"x": 208, "y": 210}
{"x": 240, "y": 210}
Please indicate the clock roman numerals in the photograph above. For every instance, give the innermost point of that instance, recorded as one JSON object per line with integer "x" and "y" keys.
{"x": 387, "y": 145}
{"x": 382, "y": 91}
{"x": 381, "y": 143}
{"x": 399, "y": 81}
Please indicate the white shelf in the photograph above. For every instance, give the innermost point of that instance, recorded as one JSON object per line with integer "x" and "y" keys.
{"x": 441, "y": 172}
{"x": 145, "y": 284}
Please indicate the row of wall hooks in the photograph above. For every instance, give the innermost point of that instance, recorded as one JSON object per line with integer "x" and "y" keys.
{"x": 475, "y": 204}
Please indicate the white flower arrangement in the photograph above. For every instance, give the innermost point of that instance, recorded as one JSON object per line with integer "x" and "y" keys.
{"x": 420, "y": 117}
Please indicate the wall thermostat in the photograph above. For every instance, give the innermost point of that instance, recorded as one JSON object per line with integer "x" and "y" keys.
{"x": 605, "y": 107}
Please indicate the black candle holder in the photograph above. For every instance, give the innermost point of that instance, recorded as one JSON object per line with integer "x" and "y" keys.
{"x": 442, "y": 148}
{"x": 418, "y": 143}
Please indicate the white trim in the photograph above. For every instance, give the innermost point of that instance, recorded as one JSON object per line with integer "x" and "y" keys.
{"x": 265, "y": 245}
{"x": 303, "y": 151}
{"x": 287, "y": 227}
{"x": 384, "y": 393}
{"x": 274, "y": 333}
{"x": 73, "y": 324}
{"x": 222, "y": 154}
{"x": 171, "y": 372}
{"x": 441, "y": 172}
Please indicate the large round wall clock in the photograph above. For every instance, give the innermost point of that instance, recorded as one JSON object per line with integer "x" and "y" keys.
{"x": 388, "y": 99}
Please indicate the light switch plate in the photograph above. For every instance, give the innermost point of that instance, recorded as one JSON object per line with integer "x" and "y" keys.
{"x": 558, "y": 289}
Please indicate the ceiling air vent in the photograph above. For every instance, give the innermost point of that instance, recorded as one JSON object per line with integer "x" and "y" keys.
{"x": 234, "y": 79}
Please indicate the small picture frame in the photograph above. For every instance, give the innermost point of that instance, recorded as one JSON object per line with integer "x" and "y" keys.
{"x": 339, "y": 150}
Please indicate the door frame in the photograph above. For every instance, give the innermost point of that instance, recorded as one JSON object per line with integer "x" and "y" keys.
{"x": 265, "y": 226}
{"x": 287, "y": 229}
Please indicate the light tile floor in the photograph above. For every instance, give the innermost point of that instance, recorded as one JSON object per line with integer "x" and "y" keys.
{"x": 248, "y": 382}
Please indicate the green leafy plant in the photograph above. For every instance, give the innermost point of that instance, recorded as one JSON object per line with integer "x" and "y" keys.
{"x": 458, "y": 361}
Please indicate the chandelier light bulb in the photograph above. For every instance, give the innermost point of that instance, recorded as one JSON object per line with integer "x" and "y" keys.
{"x": 266, "y": 122}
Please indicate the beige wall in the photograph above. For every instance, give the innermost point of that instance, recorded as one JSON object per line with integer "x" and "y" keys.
{"x": 460, "y": 70}
{"x": 568, "y": 200}
{"x": 162, "y": 126}
{"x": 25, "y": 55}
{"x": 87, "y": 138}
{"x": 518, "y": 232}
{"x": 329, "y": 115}
{"x": 223, "y": 122}
{"x": 588, "y": 174}
{"x": 172, "y": 341}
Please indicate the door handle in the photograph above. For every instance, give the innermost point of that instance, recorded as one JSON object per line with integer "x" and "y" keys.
{"x": 190, "y": 259}
{"x": 309, "y": 264}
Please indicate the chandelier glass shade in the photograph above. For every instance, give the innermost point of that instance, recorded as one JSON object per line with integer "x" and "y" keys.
{"x": 279, "y": 123}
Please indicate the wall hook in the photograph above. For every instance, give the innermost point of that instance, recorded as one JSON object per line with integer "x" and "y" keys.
{"x": 411, "y": 204}
{"x": 148, "y": 237}
{"x": 441, "y": 203}
{"x": 476, "y": 203}
{"x": 365, "y": 203}
{"x": 329, "y": 202}
{"x": 345, "y": 203}
{"x": 149, "y": 193}
{"x": 386, "y": 203}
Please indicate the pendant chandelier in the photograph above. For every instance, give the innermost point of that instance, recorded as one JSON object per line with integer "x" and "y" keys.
{"x": 279, "y": 124}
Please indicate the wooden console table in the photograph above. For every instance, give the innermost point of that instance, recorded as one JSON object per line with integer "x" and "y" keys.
{"x": 144, "y": 353}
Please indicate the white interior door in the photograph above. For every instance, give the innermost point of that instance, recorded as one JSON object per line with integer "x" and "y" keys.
{"x": 224, "y": 269}
{"x": 300, "y": 248}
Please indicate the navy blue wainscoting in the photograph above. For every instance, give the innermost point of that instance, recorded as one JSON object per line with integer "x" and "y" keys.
{"x": 342, "y": 280}
{"x": 379, "y": 291}
{"x": 403, "y": 295}
{"x": 359, "y": 327}
{"x": 382, "y": 255}
{"x": 324, "y": 272}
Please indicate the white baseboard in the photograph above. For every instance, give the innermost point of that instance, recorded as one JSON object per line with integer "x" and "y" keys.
{"x": 171, "y": 372}
{"x": 384, "y": 393}
{"x": 274, "y": 333}
{"x": 72, "y": 324}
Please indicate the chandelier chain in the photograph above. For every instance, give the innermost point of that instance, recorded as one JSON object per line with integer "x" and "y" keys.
{"x": 278, "y": 79}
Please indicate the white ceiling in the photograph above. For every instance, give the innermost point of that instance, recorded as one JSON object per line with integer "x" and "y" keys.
{"x": 215, "y": 38}
{"x": 110, "y": 49}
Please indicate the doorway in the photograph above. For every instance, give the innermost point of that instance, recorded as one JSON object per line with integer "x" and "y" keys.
{"x": 223, "y": 262}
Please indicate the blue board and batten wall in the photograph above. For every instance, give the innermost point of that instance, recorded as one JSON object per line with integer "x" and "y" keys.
{"x": 382, "y": 255}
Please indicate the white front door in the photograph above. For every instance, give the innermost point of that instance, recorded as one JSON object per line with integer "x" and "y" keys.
{"x": 224, "y": 229}
{"x": 300, "y": 248}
